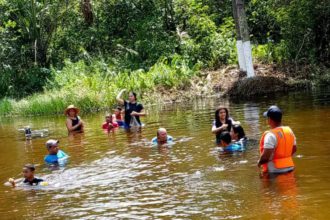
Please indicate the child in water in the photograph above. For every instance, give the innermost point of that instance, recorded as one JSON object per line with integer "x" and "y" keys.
{"x": 109, "y": 122}
{"x": 225, "y": 141}
{"x": 55, "y": 154}
{"x": 28, "y": 174}
{"x": 117, "y": 116}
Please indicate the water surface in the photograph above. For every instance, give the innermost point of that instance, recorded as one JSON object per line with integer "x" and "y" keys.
{"x": 116, "y": 176}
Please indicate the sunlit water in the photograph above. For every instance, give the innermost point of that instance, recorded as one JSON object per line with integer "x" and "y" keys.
{"x": 117, "y": 176}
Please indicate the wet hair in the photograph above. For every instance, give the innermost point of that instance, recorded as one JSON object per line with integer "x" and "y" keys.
{"x": 134, "y": 94}
{"x": 225, "y": 137}
{"x": 239, "y": 130}
{"x": 30, "y": 167}
{"x": 217, "y": 119}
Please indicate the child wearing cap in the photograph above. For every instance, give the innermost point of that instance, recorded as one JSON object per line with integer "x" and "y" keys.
{"x": 55, "y": 154}
{"x": 28, "y": 174}
{"x": 225, "y": 142}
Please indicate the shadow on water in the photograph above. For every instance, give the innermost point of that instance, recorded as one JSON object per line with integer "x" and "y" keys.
{"x": 120, "y": 175}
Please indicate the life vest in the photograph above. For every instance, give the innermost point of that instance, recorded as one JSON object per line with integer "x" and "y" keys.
{"x": 282, "y": 157}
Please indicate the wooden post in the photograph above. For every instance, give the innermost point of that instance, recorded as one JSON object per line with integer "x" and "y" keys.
{"x": 244, "y": 34}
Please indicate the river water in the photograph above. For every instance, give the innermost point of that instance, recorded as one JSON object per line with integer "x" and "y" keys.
{"x": 116, "y": 176}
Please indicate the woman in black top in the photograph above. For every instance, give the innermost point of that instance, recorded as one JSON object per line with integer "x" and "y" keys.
{"x": 73, "y": 121}
{"x": 221, "y": 123}
{"x": 133, "y": 109}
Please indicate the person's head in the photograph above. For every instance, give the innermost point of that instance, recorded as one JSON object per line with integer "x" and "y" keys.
{"x": 162, "y": 135}
{"x": 225, "y": 139}
{"x": 28, "y": 171}
{"x": 71, "y": 111}
{"x": 108, "y": 118}
{"x": 221, "y": 114}
{"x": 117, "y": 111}
{"x": 237, "y": 132}
{"x": 274, "y": 116}
{"x": 132, "y": 97}
{"x": 52, "y": 146}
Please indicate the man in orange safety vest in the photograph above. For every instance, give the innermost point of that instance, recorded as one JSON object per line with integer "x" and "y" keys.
{"x": 276, "y": 145}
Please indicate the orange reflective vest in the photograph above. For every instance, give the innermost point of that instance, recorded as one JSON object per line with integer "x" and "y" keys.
{"x": 283, "y": 151}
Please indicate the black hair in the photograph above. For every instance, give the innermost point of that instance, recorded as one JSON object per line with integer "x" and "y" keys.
{"x": 217, "y": 119}
{"x": 30, "y": 167}
{"x": 239, "y": 130}
{"x": 225, "y": 137}
{"x": 134, "y": 94}
{"x": 276, "y": 118}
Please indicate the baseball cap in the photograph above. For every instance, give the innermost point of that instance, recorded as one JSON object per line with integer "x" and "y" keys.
{"x": 50, "y": 143}
{"x": 273, "y": 112}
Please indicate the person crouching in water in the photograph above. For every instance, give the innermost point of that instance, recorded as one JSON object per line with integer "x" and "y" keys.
{"x": 73, "y": 121}
{"x": 222, "y": 123}
{"x": 227, "y": 146}
{"x": 109, "y": 123}
{"x": 55, "y": 154}
{"x": 276, "y": 145}
{"x": 29, "y": 178}
{"x": 162, "y": 137}
{"x": 238, "y": 135}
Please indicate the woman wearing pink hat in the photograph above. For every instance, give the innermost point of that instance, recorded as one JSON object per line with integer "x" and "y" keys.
{"x": 73, "y": 121}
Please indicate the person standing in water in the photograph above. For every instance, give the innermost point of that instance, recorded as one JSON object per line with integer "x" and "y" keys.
{"x": 162, "y": 137}
{"x": 276, "y": 145}
{"x": 133, "y": 109}
{"x": 222, "y": 123}
{"x": 73, "y": 121}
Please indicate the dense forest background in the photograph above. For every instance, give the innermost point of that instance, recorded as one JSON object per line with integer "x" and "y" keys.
{"x": 55, "y": 44}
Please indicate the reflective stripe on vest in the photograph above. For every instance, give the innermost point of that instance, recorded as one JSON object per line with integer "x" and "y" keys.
{"x": 283, "y": 152}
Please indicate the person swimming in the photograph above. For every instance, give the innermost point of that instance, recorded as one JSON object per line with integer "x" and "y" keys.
{"x": 109, "y": 123}
{"x": 55, "y": 154}
{"x": 238, "y": 135}
{"x": 162, "y": 137}
{"x": 227, "y": 146}
{"x": 29, "y": 178}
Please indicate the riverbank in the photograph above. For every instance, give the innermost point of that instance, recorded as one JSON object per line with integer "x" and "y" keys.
{"x": 93, "y": 89}
{"x": 230, "y": 82}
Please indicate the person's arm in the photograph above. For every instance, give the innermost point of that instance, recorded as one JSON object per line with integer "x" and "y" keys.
{"x": 119, "y": 99}
{"x": 72, "y": 128}
{"x": 265, "y": 156}
{"x": 12, "y": 182}
{"x": 141, "y": 113}
{"x": 216, "y": 130}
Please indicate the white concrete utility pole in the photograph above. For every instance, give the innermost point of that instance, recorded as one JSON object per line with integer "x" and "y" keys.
{"x": 243, "y": 44}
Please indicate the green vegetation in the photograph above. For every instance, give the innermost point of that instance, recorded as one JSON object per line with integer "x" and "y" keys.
{"x": 54, "y": 53}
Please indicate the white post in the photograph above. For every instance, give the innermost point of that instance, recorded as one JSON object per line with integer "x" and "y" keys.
{"x": 240, "y": 53}
{"x": 248, "y": 58}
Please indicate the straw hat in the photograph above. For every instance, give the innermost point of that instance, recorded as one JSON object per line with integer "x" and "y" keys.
{"x": 71, "y": 107}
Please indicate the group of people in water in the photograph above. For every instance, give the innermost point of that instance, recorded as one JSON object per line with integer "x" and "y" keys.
{"x": 276, "y": 145}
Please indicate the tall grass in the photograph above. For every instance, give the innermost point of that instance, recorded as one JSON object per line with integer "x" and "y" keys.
{"x": 94, "y": 86}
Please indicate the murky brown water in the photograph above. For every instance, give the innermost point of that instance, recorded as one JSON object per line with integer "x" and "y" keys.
{"x": 109, "y": 177}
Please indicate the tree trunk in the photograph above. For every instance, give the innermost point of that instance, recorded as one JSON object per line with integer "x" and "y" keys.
{"x": 86, "y": 6}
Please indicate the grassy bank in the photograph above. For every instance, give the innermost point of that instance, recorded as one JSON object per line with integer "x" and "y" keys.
{"x": 94, "y": 86}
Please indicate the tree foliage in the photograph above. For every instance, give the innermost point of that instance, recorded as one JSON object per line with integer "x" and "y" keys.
{"x": 38, "y": 35}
